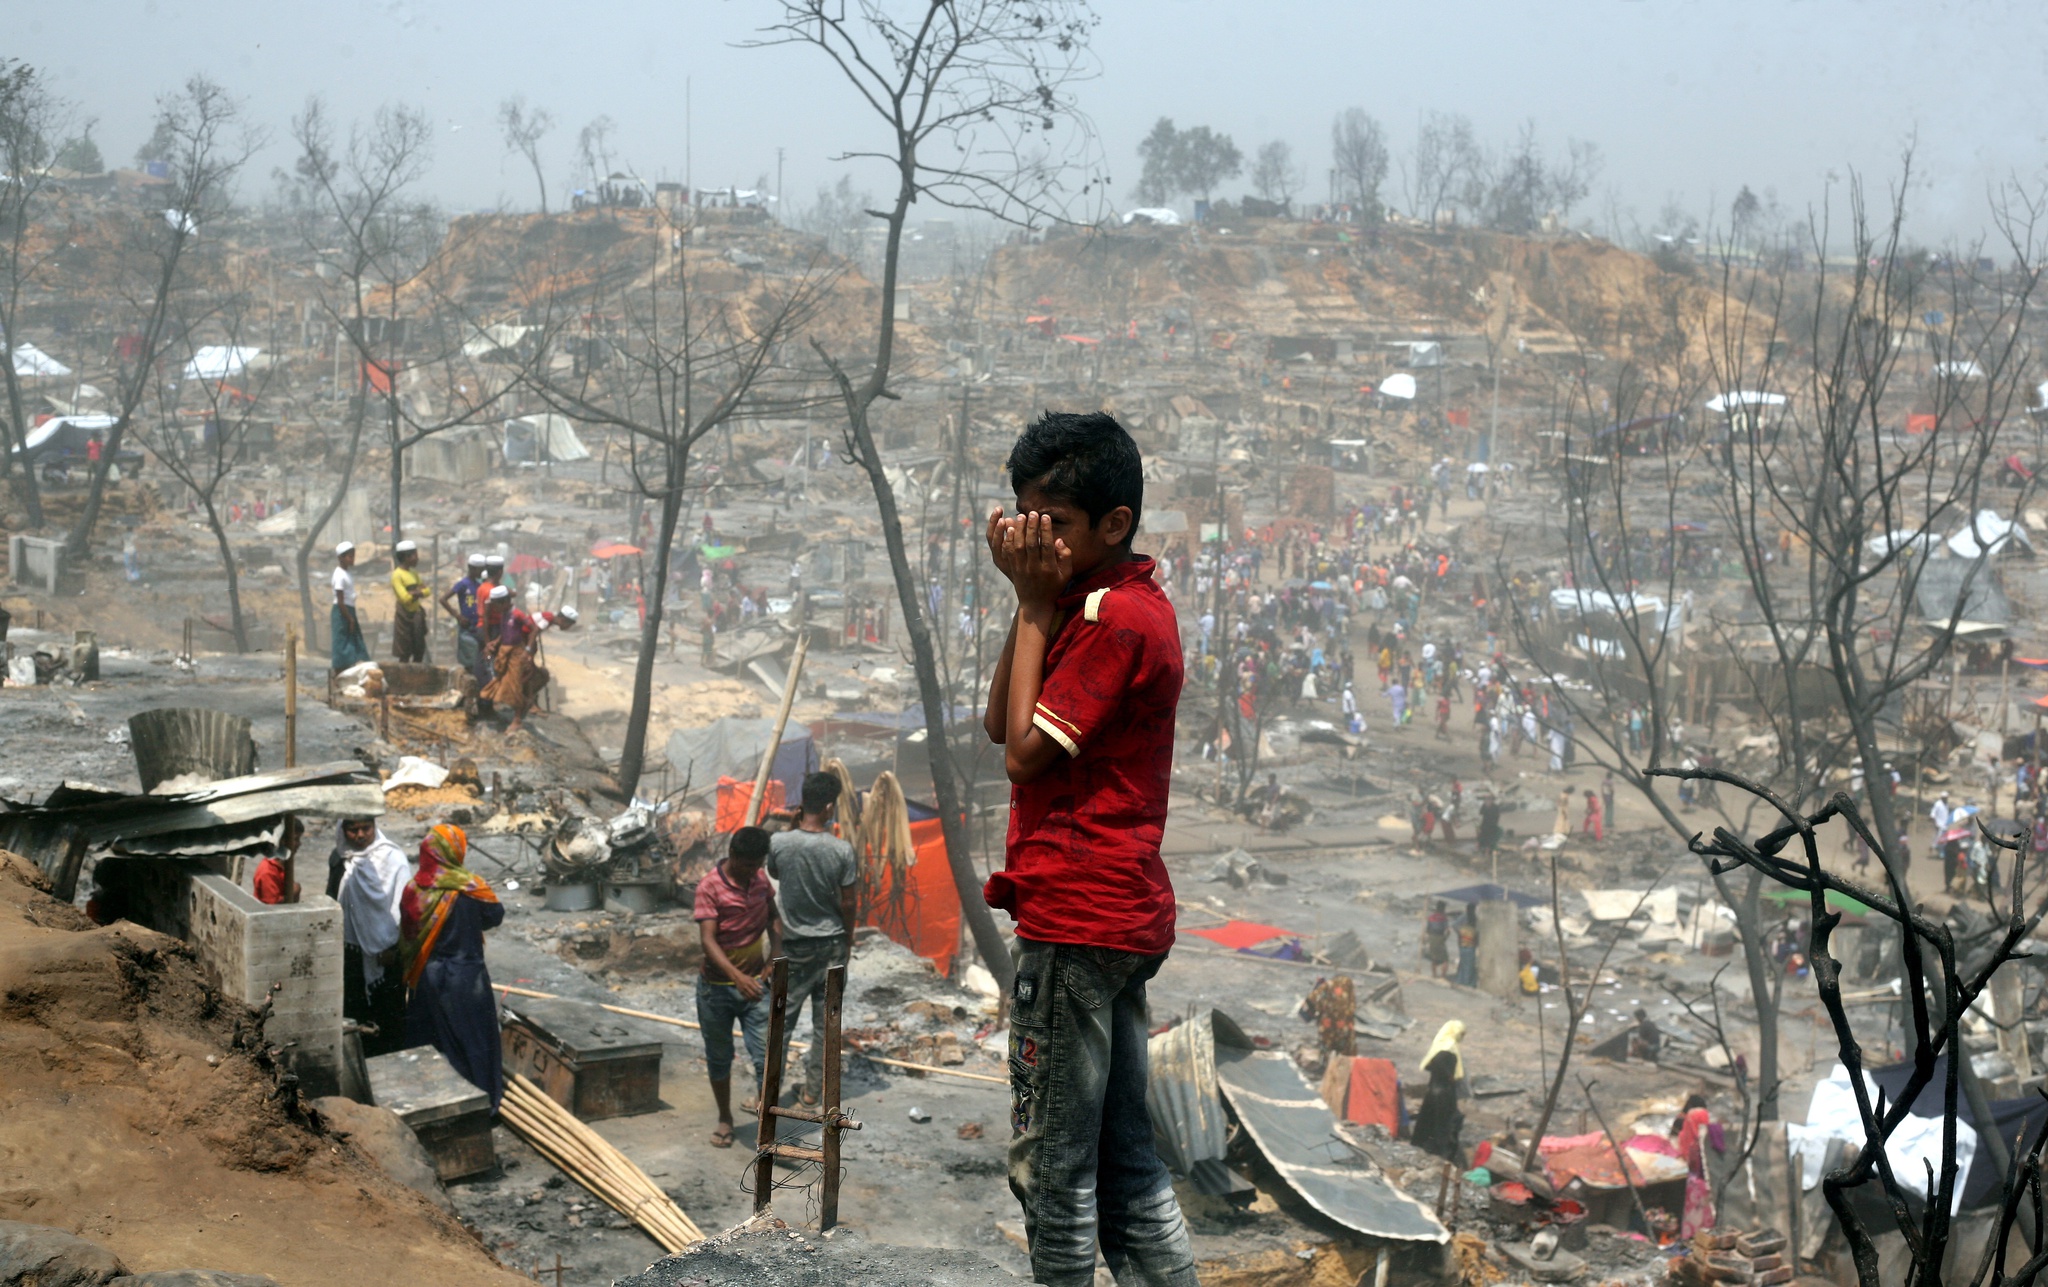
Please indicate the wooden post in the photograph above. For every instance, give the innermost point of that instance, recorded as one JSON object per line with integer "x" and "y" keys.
{"x": 291, "y": 696}
{"x": 771, "y": 1085}
{"x": 828, "y": 1099}
{"x": 796, "y": 669}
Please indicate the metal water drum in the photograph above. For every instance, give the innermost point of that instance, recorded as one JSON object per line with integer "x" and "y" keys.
{"x": 182, "y": 740}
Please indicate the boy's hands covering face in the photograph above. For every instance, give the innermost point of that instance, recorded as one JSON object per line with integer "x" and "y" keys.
{"x": 1038, "y": 564}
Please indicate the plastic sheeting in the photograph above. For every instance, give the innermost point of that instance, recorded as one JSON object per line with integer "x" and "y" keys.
{"x": 1912, "y": 1148}
{"x": 31, "y": 363}
{"x": 218, "y": 361}
{"x": 1288, "y": 1120}
{"x": 924, "y": 913}
{"x": 731, "y": 747}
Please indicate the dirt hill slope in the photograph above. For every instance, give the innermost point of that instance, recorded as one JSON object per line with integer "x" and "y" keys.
{"x": 128, "y": 1116}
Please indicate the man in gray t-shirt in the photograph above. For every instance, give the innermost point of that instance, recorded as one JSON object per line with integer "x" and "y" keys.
{"x": 816, "y": 876}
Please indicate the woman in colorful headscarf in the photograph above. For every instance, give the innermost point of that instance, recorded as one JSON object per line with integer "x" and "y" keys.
{"x": 1697, "y": 1132}
{"x": 446, "y": 911}
{"x": 1439, "y": 1121}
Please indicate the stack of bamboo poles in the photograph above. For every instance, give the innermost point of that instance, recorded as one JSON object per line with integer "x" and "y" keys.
{"x": 590, "y": 1160}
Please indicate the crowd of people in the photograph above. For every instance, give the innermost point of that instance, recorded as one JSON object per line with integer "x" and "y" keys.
{"x": 497, "y": 642}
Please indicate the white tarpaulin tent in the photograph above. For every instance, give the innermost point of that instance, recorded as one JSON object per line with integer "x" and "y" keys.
{"x": 1398, "y": 385}
{"x": 1986, "y": 534}
{"x": 219, "y": 361}
{"x": 1903, "y": 540}
{"x": 531, "y": 439}
{"x": 1912, "y": 1148}
{"x": 1744, "y": 398}
{"x": 50, "y": 428}
{"x": 31, "y": 362}
{"x": 1965, "y": 370}
{"x": 1153, "y": 214}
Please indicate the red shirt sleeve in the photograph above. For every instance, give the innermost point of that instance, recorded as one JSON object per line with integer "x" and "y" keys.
{"x": 1097, "y": 663}
{"x": 269, "y": 881}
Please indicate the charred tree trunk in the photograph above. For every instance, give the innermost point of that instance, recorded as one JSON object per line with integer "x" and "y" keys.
{"x": 17, "y": 427}
{"x": 227, "y": 563}
{"x": 633, "y": 754}
{"x": 358, "y": 410}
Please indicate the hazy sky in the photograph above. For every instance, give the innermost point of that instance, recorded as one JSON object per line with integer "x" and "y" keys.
{"x": 1686, "y": 98}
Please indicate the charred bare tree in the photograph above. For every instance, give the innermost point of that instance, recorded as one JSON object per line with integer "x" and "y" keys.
{"x": 1936, "y": 1001}
{"x": 199, "y": 429}
{"x": 974, "y": 98}
{"x": 205, "y": 142}
{"x": 1834, "y": 511}
{"x": 31, "y": 119}
{"x": 523, "y": 128}
{"x": 415, "y": 357}
{"x": 675, "y": 366}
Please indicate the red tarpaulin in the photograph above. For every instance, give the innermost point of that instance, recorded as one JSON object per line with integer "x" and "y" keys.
{"x": 521, "y": 564}
{"x": 1375, "y": 1094}
{"x": 1079, "y": 339}
{"x": 612, "y": 550}
{"x": 1237, "y": 935}
{"x": 926, "y": 916}
{"x": 1921, "y": 423}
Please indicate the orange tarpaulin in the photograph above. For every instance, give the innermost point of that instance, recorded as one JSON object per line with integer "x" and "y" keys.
{"x": 733, "y": 798}
{"x": 1921, "y": 423}
{"x": 924, "y": 915}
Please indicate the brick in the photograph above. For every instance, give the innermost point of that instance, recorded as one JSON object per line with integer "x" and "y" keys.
{"x": 1780, "y": 1275}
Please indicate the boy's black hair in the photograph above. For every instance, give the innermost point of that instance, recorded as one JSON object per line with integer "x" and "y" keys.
{"x": 749, "y": 842}
{"x": 821, "y": 792}
{"x": 1085, "y": 458}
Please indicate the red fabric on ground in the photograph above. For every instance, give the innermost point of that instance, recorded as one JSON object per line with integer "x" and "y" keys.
{"x": 1375, "y": 1094}
{"x": 926, "y": 917}
{"x": 1241, "y": 934}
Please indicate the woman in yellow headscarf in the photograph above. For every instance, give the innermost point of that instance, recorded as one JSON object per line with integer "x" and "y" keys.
{"x": 1439, "y": 1120}
{"x": 446, "y": 910}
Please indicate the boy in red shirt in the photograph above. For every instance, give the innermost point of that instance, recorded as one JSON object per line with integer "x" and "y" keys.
{"x": 1083, "y": 705}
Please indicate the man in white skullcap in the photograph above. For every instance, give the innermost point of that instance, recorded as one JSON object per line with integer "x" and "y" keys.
{"x": 409, "y": 594}
{"x": 344, "y": 629}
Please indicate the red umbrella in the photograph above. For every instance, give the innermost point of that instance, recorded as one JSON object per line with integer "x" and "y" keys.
{"x": 521, "y": 564}
{"x": 612, "y": 550}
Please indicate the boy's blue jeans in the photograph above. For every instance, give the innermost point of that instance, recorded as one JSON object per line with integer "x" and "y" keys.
{"x": 718, "y": 1004}
{"x": 1082, "y": 1162}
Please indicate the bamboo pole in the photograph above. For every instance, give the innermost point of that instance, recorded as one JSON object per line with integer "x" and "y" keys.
{"x": 796, "y": 668}
{"x": 291, "y": 696}
{"x": 593, "y": 1162}
{"x": 928, "y": 1068}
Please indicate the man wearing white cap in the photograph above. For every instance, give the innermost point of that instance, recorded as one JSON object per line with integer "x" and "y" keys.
{"x": 461, "y": 603}
{"x": 409, "y": 618}
{"x": 344, "y": 630}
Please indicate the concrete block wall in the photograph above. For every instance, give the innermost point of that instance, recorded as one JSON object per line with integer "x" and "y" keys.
{"x": 246, "y": 946}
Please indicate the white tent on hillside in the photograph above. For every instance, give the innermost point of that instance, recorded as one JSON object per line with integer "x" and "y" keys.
{"x": 541, "y": 439}
{"x": 1723, "y": 403}
{"x": 1399, "y": 385}
{"x": 1989, "y": 534}
{"x": 219, "y": 362}
{"x": 32, "y": 363}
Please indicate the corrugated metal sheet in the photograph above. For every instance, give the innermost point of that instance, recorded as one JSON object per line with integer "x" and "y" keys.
{"x": 56, "y": 834}
{"x": 1188, "y": 1121}
{"x": 1287, "y": 1118}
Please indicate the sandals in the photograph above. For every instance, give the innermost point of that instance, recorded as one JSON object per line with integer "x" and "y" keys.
{"x": 721, "y": 1135}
